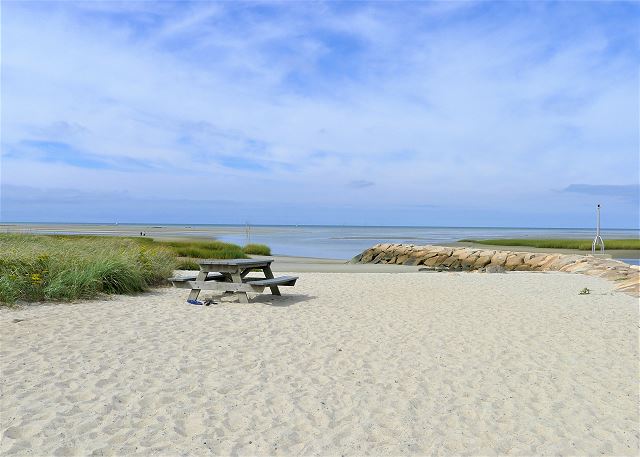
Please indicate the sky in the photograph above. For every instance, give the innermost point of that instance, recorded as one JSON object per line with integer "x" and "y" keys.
{"x": 520, "y": 114}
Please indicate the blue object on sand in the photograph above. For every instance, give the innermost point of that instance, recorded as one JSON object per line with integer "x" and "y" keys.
{"x": 195, "y": 302}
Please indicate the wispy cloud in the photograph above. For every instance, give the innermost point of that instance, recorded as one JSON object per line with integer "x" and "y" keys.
{"x": 361, "y": 184}
{"x": 462, "y": 102}
{"x": 630, "y": 191}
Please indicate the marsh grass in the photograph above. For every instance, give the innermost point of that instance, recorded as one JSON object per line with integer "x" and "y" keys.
{"x": 257, "y": 249}
{"x": 200, "y": 249}
{"x": 583, "y": 245}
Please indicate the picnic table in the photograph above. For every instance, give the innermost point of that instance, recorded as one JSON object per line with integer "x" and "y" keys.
{"x": 230, "y": 276}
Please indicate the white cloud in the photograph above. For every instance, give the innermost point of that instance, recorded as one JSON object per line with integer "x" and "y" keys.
{"x": 468, "y": 106}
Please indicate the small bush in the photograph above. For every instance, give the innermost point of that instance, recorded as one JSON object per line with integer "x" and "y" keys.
{"x": 257, "y": 249}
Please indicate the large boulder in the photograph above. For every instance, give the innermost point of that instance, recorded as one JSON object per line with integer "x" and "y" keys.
{"x": 483, "y": 260}
{"x": 499, "y": 258}
{"x": 513, "y": 260}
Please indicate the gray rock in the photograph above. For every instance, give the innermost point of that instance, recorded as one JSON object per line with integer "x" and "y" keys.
{"x": 495, "y": 269}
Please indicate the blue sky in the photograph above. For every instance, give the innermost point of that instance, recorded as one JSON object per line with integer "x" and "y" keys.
{"x": 387, "y": 113}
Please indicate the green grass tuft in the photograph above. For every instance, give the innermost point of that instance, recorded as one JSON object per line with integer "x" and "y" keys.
{"x": 257, "y": 249}
{"x": 583, "y": 245}
{"x": 187, "y": 264}
{"x": 203, "y": 249}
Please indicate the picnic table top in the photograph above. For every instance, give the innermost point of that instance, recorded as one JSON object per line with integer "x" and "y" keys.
{"x": 236, "y": 262}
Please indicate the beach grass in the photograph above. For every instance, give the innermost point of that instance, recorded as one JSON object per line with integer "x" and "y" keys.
{"x": 69, "y": 267}
{"x": 257, "y": 249}
{"x": 41, "y": 268}
{"x": 583, "y": 245}
{"x": 186, "y": 263}
{"x": 199, "y": 249}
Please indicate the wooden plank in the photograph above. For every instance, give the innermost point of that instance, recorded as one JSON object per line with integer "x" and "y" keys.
{"x": 279, "y": 281}
{"x": 235, "y": 262}
{"x": 242, "y": 296}
{"x": 268, "y": 274}
{"x": 224, "y": 286}
{"x": 195, "y": 291}
{"x": 210, "y": 277}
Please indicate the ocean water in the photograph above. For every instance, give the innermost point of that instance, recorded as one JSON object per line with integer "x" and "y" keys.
{"x": 331, "y": 242}
{"x": 346, "y": 242}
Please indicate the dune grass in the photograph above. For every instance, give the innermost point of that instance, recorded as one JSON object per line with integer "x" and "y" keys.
{"x": 257, "y": 249}
{"x": 39, "y": 268}
{"x": 186, "y": 263}
{"x": 584, "y": 245}
{"x": 199, "y": 249}
{"x": 189, "y": 251}
{"x": 69, "y": 267}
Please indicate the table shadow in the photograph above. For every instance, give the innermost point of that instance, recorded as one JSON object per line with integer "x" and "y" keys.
{"x": 283, "y": 300}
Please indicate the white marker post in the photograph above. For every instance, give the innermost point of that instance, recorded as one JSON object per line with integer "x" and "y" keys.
{"x": 598, "y": 239}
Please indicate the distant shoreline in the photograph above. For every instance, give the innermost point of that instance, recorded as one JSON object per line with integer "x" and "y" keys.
{"x": 173, "y": 225}
{"x": 328, "y": 242}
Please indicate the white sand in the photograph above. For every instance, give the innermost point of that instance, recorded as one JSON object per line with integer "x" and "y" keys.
{"x": 415, "y": 363}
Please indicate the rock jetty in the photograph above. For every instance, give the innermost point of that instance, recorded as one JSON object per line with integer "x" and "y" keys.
{"x": 627, "y": 277}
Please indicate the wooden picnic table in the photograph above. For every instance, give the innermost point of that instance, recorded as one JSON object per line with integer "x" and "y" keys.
{"x": 230, "y": 276}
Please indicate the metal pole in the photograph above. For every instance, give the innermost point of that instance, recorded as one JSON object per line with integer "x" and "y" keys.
{"x": 598, "y": 239}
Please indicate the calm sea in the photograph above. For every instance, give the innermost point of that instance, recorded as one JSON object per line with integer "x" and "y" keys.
{"x": 333, "y": 242}
{"x": 346, "y": 242}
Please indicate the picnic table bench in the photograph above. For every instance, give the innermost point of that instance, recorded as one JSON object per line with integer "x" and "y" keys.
{"x": 230, "y": 276}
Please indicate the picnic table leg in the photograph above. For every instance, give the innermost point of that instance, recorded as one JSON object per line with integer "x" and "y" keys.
{"x": 193, "y": 295}
{"x": 242, "y": 296}
{"x": 269, "y": 275}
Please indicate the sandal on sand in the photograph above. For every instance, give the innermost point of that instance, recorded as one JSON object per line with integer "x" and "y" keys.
{"x": 195, "y": 302}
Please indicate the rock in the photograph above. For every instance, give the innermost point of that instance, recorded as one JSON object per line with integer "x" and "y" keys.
{"x": 534, "y": 260}
{"x": 430, "y": 254}
{"x": 378, "y": 258}
{"x": 383, "y": 247}
{"x": 449, "y": 261}
{"x": 442, "y": 258}
{"x": 576, "y": 267}
{"x": 417, "y": 256}
{"x": 431, "y": 261}
{"x": 564, "y": 260}
{"x": 499, "y": 258}
{"x": 462, "y": 254}
{"x": 469, "y": 262}
{"x": 368, "y": 256}
{"x": 494, "y": 269}
{"x": 483, "y": 261}
{"x": 548, "y": 260}
{"x": 630, "y": 285}
{"x": 513, "y": 260}
{"x": 402, "y": 259}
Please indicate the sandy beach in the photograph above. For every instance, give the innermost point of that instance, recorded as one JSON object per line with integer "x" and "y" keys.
{"x": 342, "y": 364}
